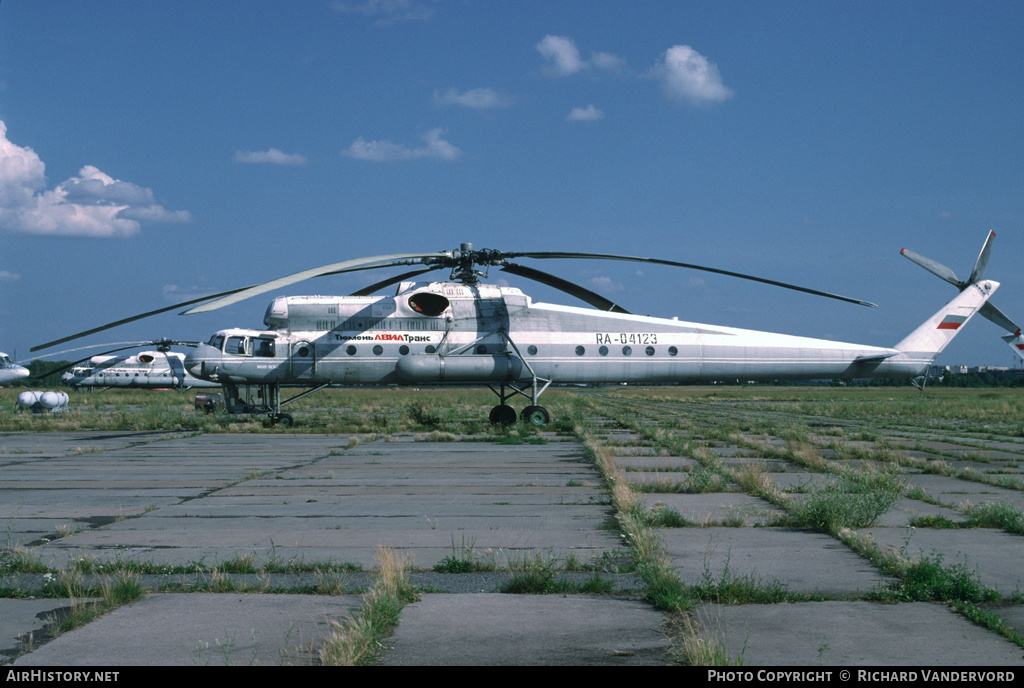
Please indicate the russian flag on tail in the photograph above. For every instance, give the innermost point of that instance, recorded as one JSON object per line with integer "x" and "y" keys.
{"x": 952, "y": 322}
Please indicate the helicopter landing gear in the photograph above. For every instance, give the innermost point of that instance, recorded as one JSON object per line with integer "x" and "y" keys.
{"x": 282, "y": 419}
{"x": 503, "y": 415}
{"x": 535, "y": 415}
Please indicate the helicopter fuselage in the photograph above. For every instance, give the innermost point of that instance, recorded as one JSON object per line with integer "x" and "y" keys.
{"x": 444, "y": 332}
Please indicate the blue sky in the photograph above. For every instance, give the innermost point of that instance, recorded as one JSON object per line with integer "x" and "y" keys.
{"x": 153, "y": 151}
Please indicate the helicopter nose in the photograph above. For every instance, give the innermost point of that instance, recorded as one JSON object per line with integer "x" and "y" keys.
{"x": 195, "y": 359}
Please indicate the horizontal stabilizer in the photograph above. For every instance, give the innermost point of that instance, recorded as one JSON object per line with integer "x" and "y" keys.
{"x": 875, "y": 358}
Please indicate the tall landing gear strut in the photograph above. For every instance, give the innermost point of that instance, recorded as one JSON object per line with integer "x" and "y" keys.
{"x": 534, "y": 414}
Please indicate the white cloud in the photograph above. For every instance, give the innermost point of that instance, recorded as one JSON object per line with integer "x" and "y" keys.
{"x": 479, "y": 98}
{"x": 8, "y": 276}
{"x": 565, "y": 57}
{"x": 387, "y": 11}
{"x": 387, "y": 151}
{"x": 173, "y": 293}
{"x": 604, "y": 284}
{"x": 93, "y": 204}
{"x": 271, "y": 156}
{"x": 587, "y": 114}
{"x": 688, "y": 76}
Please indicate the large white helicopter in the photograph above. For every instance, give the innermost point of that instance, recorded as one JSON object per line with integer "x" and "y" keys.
{"x": 462, "y": 331}
{"x": 11, "y": 371}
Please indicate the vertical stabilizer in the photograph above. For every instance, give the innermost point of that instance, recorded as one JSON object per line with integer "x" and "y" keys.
{"x": 928, "y": 340}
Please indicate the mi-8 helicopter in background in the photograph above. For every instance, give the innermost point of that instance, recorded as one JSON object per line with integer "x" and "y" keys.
{"x": 157, "y": 369}
{"x": 462, "y": 331}
{"x": 11, "y": 371}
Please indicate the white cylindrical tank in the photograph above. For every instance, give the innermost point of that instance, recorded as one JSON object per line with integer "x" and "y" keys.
{"x": 40, "y": 402}
{"x": 26, "y": 400}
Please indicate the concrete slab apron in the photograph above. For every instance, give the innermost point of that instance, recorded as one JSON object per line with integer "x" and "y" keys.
{"x": 503, "y": 630}
{"x": 799, "y": 560}
{"x": 209, "y": 629}
{"x": 850, "y": 634}
{"x": 314, "y": 498}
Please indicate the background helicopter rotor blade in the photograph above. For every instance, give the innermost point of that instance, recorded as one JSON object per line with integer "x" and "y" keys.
{"x": 332, "y": 269}
{"x": 596, "y": 300}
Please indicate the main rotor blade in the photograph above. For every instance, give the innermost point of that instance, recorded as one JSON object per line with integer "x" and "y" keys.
{"x": 933, "y": 267}
{"x": 596, "y": 300}
{"x": 672, "y": 263}
{"x": 133, "y": 319}
{"x": 979, "y": 266}
{"x": 79, "y": 348}
{"x": 366, "y": 291}
{"x": 332, "y": 269}
{"x": 82, "y": 360}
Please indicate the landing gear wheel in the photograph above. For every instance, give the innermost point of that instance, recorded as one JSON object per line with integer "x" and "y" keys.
{"x": 503, "y": 415}
{"x": 283, "y": 419}
{"x": 535, "y": 415}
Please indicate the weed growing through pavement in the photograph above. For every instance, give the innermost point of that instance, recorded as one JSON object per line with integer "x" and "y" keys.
{"x": 854, "y": 500}
{"x": 465, "y": 559}
{"x": 358, "y": 640}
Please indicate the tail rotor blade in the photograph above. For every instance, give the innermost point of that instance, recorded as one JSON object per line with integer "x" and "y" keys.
{"x": 982, "y": 262}
{"x": 931, "y": 266}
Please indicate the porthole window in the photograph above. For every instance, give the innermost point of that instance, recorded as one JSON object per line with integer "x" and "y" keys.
{"x": 672, "y": 351}
{"x": 603, "y": 351}
{"x": 481, "y": 349}
{"x": 378, "y": 350}
{"x": 580, "y": 351}
{"x": 649, "y": 351}
{"x": 532, "y": 350}
{"x": 627, "y": 350}
{"x": 403, "y": 350}
{"x": 350, "y": 350}
{"x": 430, "y": 349}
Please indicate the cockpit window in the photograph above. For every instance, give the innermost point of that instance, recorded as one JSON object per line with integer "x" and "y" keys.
{"x": 427, "y": 303}
{"x": 5, "y": 361}
{"x": 216, "y": 341}
{"x": 265, "y": 348}
{"x": 239, "y": 346}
